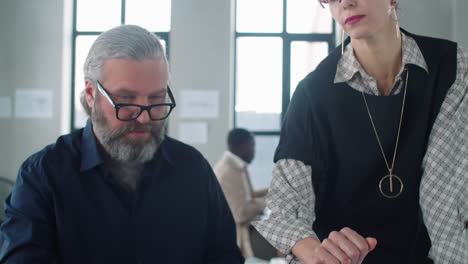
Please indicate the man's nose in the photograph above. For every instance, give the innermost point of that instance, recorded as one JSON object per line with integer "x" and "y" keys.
{"x": 144, "y": 117}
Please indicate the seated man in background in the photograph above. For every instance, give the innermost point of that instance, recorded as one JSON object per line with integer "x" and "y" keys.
{"x": 231, "y": 171}
{"x": 119, "y": 190}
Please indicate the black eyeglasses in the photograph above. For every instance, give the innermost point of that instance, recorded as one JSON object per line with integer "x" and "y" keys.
{"x": 329, "y": 1}
{"x": 129, "y": 112}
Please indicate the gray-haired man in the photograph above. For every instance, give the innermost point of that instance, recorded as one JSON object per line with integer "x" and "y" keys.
{"x": 119, "y": 191}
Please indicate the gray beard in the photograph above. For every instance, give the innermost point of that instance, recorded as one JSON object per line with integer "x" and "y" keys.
{"x": 118, "y": 146}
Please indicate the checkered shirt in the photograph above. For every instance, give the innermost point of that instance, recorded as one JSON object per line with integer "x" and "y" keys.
{"x": 444, "y": 184}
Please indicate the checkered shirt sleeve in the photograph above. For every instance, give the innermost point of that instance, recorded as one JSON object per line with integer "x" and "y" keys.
{"x": 444, "y": 185}
{"x": 291, "y": 200}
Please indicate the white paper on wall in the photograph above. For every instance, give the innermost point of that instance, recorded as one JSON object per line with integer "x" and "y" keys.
{"x": 199, "y": 104}
{"x": 33, "y": 103}
{"x": 193, "y": 132}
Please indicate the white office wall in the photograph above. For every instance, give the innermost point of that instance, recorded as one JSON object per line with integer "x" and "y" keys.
{"x": 6, "y": 17}
{"x": 443, "y": 19}
{"x": 461, "y": 23}
{"x": 427, "y": 17}
{"x": 32, "y": 34}
{"x": 201, "y": 47}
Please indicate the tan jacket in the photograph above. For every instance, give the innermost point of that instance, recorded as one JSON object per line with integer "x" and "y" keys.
{"x": 245, "y": 203}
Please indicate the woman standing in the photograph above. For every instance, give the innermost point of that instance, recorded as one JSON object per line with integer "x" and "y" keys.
{"x": 372, "y": 161}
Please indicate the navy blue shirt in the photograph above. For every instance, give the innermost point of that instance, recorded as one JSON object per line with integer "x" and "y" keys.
{"x": 65, "y": 209}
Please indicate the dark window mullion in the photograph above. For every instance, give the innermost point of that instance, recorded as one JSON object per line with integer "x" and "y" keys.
{"x": 73, "y": 50}
{"x": 259, "y": 34}
{"x": 236, "y": 35}
{"x": 310, "y": 37}
{"x": 332, "y": 42}
{"x": 163, "y": 35}
{"x": 285, "y": 15}
{"x": 292, "y": 36}
{"x": 122, "y": 12}
{"x": 286, "y": 62}
{"x": 265, "y": 133}
{"x": 287, "y": 39}
{"x": 87, "y": 33}
{"x": 286, "y": 77}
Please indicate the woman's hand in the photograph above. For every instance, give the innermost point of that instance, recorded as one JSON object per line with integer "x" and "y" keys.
{"x": 341, "y": 247}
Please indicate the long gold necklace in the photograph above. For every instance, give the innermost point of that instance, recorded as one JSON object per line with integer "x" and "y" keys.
{"x": 389, "y": 191}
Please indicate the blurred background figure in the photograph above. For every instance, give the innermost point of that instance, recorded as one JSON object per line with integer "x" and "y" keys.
{"x": 246, "y": 203}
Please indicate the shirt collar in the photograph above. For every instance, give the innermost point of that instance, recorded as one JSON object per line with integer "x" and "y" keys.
{"x": 165, "y": 151}
{"x": 240, "y": 163}
{"x": 348, "y": 65}
{"x": 92, "y": 157}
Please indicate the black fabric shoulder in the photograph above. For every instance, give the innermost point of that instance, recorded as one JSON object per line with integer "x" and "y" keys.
{"x": 441, "y": 57}
{"x": 51, "y": 153}
{"x": 296, "y": 135}
{"x": 297, "y": 140}
{"x": 180, "y": 152}
{"x": 51, "y": 158}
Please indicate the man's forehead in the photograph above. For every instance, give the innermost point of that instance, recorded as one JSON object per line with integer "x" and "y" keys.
{"x": 159, "y": 64}
{"x": 132, "y": 91}
{"x": 127, "y": 74}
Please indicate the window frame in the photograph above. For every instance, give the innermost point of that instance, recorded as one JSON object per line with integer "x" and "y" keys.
{"x": 287, "y": 39}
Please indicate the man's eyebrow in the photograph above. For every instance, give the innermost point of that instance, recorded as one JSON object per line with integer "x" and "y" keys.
{"x": 124, "y": 90}
{"x": 131, "y": 92}
{"x": 160, "y": 92}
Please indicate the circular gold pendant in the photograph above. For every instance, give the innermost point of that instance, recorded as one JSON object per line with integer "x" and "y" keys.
{"x": 391, "y": 186}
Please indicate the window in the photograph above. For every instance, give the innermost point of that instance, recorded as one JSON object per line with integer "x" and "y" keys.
{"x": 277, "y": 43}
{"x": 91, "y": 18}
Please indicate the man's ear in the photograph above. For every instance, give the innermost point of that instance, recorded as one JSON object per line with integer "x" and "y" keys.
{"x": 89, "y": 93}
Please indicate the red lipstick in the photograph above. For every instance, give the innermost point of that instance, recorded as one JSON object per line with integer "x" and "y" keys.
{"x": 354, "y": 19}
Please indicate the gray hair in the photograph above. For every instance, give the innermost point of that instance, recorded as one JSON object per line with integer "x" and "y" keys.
{"x": 124, "y": 42}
